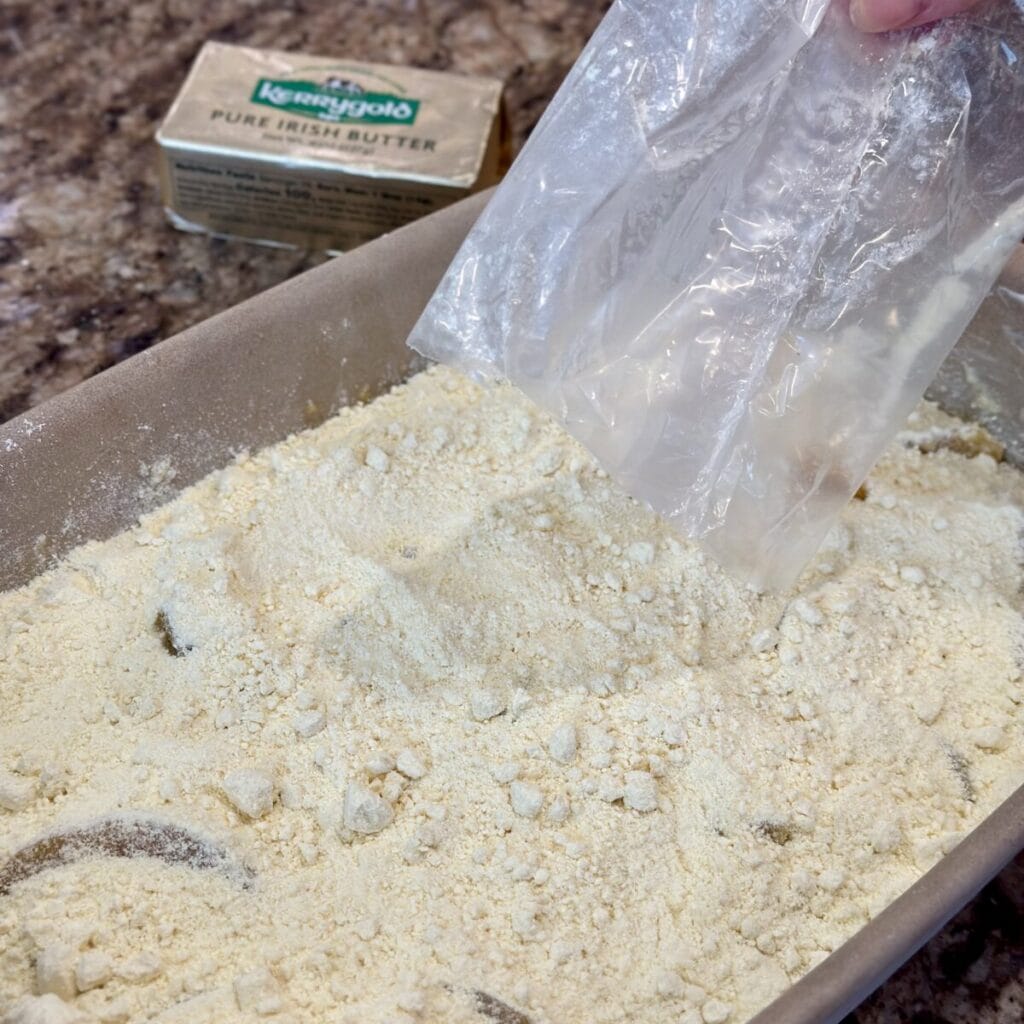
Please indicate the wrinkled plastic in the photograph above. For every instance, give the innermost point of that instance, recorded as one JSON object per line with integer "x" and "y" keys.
{"x": 737, "y": 248}
{"x": 982, "y": 380}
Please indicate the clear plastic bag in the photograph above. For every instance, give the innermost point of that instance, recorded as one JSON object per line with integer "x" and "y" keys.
{"x": 737, "y": 248}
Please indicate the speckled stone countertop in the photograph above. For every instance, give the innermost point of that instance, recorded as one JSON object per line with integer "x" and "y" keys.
{"x": 90, "y": 273}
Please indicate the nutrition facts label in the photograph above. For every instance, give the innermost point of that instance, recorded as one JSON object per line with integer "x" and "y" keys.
{"x": 304, "y": 207}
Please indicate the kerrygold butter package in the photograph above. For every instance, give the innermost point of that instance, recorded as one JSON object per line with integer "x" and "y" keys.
{"x": 319, "y": 152}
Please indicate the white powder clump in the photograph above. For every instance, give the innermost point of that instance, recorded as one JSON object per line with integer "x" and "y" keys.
{"x": 410, "y": 764}
{"x": 250, "y": 792}
{"x": 45, "y": 1009}
{"x": 562, "y": 743}
{"x": 640, "y": 792}
{"x": 366, "y": 812}
{"x": 258, "y": 992}
{"x": 467, "y": 719}
{"x": 16, "y": 793}
{"x": 92, "y": 970}
{"x": 714, "y": 1012}
{"x": 377, "y": 459}
{"x": 144, "y": 967}
{"x": 309, "y": 723}
{"x": 380, "y": 763}
{"x": 527, "y": 800}
{"x": 55, "y": 970}
{"x": 486, "y": 704}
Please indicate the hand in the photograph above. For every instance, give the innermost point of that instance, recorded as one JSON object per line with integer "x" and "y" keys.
{"x": 883, "y": 15}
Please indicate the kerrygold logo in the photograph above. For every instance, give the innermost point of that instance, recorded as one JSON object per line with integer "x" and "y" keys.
{"x": 338, "y": 100}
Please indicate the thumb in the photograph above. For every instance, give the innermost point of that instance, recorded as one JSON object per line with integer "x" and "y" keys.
{"x": 884, "y": 15}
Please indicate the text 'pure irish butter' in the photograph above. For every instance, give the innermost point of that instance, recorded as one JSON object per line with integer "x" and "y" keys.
{"x": 323, "y": 153}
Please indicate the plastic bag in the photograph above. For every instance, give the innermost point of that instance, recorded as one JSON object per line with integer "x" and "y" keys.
{"x": 982, "y": 380}
{"x": 737, "y": 248}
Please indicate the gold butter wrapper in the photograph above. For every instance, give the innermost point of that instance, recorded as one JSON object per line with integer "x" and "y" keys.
{"x": 323, "y": 153}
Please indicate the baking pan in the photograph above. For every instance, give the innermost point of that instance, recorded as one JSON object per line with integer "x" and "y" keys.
{"x": 85, "y": 464}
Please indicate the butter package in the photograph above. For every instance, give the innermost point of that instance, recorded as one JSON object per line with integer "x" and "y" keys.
{"x": 323, "y": 153}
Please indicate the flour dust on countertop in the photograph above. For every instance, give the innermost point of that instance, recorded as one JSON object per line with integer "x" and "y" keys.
{"x": 418, "y": 717}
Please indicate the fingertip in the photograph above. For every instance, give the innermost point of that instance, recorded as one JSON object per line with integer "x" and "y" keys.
{"x": 884, "y": 15}
{"x": 858, "y": 16}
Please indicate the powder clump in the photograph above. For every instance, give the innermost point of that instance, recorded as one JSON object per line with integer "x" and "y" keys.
{"x": 472, "y": 721}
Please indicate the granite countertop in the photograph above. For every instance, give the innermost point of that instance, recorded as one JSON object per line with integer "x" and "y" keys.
{"x": 90, "y": 273}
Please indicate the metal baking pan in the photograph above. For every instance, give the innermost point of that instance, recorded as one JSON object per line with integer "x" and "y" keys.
{"x": 73, "y": 469}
